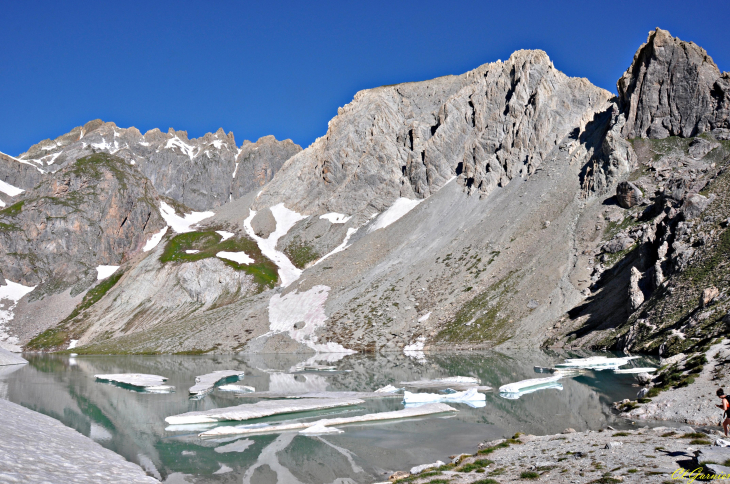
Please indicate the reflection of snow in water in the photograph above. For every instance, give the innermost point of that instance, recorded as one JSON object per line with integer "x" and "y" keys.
{"x": 287, "y": 383}
{"x": 237, "y": 446}
{"x": 348, "y": 455}
{"x": 268, "y": 457}
{"x": 149, "y": 466}
{"x": 5, "y": 371}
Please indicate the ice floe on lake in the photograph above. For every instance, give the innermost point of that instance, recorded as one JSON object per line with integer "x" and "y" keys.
{"x": 454, "y": 382}
{"x": 595, "y": 362}
{"x": 141, "y": 381}
{"x": 205, "y": 383}
{"x": 533, "y": 383}
{"x": 470, "y": 397}
{"x": 634, "y": 370}
{"x": 267, "y": 408}
{"x": 236, "y": 388}
{"x": 419, "y": 411}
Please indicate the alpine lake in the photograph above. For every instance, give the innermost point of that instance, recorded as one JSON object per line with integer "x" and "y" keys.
{"x": 132, "y": 423}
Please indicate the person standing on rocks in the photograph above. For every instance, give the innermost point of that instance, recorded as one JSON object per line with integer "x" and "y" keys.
{"x": 725, "y": 406}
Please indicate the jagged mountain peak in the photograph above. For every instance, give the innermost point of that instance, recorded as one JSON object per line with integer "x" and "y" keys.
{"x": 696, "y": 100}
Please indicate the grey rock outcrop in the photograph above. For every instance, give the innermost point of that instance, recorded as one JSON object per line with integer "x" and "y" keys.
{"x": 628, "y": 194}
{"x": 636, "y": 296}
{"x": 486, "y": 127}
{"x": 673, "y": 88}
{"x": 699, "y": 147}
{"x": 201, "y": 173}
{"x": 98, "y": 211}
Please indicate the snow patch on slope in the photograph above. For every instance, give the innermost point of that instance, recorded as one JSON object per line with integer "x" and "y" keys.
{"x": 350, "y": 232}
{"x": 182, "y": 224}
{"x": 285, "y": 220}
{"x": 399, "y": 208}
{"x": 299, "y": 315}
{"x": 105, "y": 271}
{"x": 224, "y": 235}
{"x": 237, "y": 257}
{"x": 9, "y": 189}
{"x": 176, "y": 142}
{"x": 21, "y": 161}
{"x": 335, "y": 218}
{"x": 10, "y": 294}
{"x": 154, "y": 240}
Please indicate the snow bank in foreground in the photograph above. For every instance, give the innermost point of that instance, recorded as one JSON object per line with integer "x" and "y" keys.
{"x": 399, "y": 208}
{"x": 10, "y": 294}
{"x": 335, "y": 218}
{"x": 9, "y": 189}
{"x": 154, "y": 240}
{"x": 182, "y": 224}
{"x": 299, "y": 315}
{"x": 102, "y": 272}
{"x": 285, "y": 220}
{"x": 237, "y": 257}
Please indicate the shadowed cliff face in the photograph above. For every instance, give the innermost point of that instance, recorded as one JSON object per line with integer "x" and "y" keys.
{"x": 97, "y": 211}
{"x": 673, "y": 88}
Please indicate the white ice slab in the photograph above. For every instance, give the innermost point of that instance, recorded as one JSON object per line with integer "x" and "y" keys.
{"x": 224, "y": 235}
{"x": 237, "y": 257}
{"x": 102, "y": 272}
{"x": 526, "y": 384}
{"x": 399, "y": 208}
{"x": 634, "y": 370}
{"x": 596, "y": 362}
{"x": 335, "y": 218}
{"x": 206, "y": 383}
{"x": 149, "y": 383}
{"x": 182, "y": 224}
{"x": 237, "y": 446}
{"x": 454, "y": 382}
{"x": 320, "y": 394}
{"x": 517, "y": 395}
{"x": 388, "y": 389}
{"x": 429, "y": 409}
{"x": 236, "y": 388}
{"x": 469, "y": 397}
{"x": 320, "y": 429}
{"x": 9, "y": 189}
{"x": 250, "y": 411}
{"x": 154, "y": 240}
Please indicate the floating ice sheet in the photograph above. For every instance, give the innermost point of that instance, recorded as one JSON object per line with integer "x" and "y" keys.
{"x": 459, "y": 383}
{"x": 595, "y": 362}
{"x": 237, "y": 388}
{"x": 470, "y": 397}
{"x": 634, "y": 370}
{"x": 250, "y": 411}
{"x": 206, "y": 383}
{"x": 428, "y": 409}
{"x": 388, "y": 389}
{"x": 329, "y": 395}
{"x": 517, "y": 395}
{"x": 141, "y": 381}
{"x": 523, "y": 385}
{"x": 8, "y": 358}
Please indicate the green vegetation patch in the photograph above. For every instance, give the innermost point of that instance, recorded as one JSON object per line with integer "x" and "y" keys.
{"x": 300, "y": 253}
{"x": 478, "y": 465}
{"x": 59, "y": 334}
{"x": 529, "y": 475}
{"x": 209, "y": 243}
{"x": 13, "y": 210}
{"x": 94, "y": 166}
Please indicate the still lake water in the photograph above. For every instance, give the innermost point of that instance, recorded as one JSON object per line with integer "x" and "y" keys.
{"x": 132, "y": 424}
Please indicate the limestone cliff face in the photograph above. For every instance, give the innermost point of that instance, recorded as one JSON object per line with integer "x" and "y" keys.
{"x": 201, "y": 173}
{"x": 673, "y": 88}
{"x": 97, "y": 211}
{"x": 488, "y": 126}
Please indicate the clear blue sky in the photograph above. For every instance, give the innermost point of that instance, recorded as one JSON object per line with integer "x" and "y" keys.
{"x": 283, "y": 68}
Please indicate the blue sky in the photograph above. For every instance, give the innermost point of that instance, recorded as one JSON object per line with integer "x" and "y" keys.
{"x": 283, "y": 68}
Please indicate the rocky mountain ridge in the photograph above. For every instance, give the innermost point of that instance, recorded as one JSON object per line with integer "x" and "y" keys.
{"x": 466, "y": 211}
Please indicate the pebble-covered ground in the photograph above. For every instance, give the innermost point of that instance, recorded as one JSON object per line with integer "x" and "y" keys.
{"x": 599, "y": 457}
